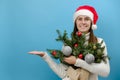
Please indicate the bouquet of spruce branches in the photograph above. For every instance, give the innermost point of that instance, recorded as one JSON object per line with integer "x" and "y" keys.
{"x": 91, "y": 52}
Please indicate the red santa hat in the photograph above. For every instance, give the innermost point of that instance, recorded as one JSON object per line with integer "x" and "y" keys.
{"x": 88, "y": 11}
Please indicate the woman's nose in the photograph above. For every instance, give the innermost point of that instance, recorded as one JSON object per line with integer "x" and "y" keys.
{"x": 83, "y": 21}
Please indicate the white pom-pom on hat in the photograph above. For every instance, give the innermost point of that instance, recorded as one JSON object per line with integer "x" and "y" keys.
{"x": 88, "y": 11}
{"x": 94, "y": 27}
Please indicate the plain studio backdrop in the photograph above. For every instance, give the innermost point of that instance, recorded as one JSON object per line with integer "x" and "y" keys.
{"x": 27, "y": 25}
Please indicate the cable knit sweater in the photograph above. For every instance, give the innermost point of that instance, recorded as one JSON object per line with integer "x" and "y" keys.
{"x": 95, "y": 69}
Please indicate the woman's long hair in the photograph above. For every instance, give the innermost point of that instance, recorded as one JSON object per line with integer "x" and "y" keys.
{"x": 92, "y": 39}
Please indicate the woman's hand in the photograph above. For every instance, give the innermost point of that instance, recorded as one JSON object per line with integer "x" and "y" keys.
{"x": 70, "y": 60}
{"x": 37, "y": 53}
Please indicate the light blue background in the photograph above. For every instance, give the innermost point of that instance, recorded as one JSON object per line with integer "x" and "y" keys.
{"x": 27, "y": 25}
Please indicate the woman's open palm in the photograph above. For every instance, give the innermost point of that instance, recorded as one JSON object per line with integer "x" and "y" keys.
{"x": 37, "y": 53}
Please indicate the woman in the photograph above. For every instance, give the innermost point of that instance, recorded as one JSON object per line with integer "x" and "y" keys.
{"x": 85, "y": 19}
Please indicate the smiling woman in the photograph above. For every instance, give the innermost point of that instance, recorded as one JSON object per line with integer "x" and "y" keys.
{"x": 24, "y": 22}
{"x": 85, "y": 19}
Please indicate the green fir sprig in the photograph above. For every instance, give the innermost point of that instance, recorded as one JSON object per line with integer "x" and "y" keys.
{"x": 78, "y": 46}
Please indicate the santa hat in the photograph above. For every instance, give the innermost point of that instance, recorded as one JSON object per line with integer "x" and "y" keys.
{"x": 88, "y": 11}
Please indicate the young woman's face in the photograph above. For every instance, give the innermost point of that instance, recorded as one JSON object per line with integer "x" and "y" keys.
{"x": 83, "y": 23}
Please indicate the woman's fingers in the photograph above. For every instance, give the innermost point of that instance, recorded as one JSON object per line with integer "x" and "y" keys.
{"x": 70, "y": 60}
{"x": 34, "y": 52}
{"x": 37, "y": 53}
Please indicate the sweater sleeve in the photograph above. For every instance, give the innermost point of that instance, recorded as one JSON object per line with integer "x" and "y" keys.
{"x": 102, "y": 69}
{"x": 59, "y": 69}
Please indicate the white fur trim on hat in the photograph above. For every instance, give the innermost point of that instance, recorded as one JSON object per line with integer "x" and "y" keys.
{"x": 83, "y": 12}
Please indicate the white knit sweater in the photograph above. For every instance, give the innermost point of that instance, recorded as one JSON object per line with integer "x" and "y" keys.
{"x": 95, "y": 69}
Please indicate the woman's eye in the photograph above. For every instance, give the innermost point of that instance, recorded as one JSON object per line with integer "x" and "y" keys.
{"x": 87, "y": 19}
{"x": 80, "y": 19}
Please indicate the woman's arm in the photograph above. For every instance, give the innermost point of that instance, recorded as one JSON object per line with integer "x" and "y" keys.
{"x": 59, "y": 69}
{"x": 102, "y": 68}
